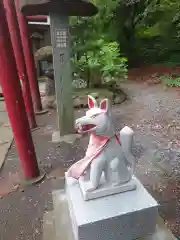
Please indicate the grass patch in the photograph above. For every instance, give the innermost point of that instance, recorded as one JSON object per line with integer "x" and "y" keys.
{"x": 170, "y": 81}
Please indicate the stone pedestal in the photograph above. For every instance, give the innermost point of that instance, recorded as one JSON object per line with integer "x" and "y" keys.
{"x": 105, "y": 189}
{"x": 123, "y": 216}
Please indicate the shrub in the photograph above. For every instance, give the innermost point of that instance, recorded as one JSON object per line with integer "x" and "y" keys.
{"x": 101, "y": 64}
{"x": 169, "y": 81}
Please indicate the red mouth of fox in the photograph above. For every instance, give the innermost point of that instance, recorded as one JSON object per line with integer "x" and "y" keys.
{"x": 85, "y": 128}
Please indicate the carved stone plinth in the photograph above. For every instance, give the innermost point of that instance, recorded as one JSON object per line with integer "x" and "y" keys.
{"x": 123, "y": 216}
{"x": 105, "y": 189}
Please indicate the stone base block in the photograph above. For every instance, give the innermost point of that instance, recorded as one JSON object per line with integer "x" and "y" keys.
{"x": 105, "y": 189}
{"x": 124, "y": 216}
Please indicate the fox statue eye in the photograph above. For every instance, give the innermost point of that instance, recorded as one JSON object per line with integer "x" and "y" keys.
{"x": 95, "y": 115}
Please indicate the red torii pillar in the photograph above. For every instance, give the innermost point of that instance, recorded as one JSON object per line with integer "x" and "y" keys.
{"x": 29, "y": 59}
{"x": 20, "y": 61}
{"x": 14, "y": 102}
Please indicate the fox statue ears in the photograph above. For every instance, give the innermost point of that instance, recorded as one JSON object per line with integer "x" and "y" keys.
{"x": 92, "y": 103}
{"x": 104, "y": 104}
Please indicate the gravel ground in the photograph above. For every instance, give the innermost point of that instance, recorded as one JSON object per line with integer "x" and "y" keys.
{"x": 152, "y": 112}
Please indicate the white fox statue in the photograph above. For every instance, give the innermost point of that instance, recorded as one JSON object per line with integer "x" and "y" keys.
{"x": 107, "y": 152}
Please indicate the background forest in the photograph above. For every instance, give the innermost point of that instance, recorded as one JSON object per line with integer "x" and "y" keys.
{"x": 133, "y": 32}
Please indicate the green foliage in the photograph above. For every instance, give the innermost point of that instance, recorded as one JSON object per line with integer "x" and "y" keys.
{"x": 148, "y": 32}
{"x": 113, "y": 66}
{"x": 104, "y": 63}
{"x": 170, "y": 81}
{"x": 96, "y": 51}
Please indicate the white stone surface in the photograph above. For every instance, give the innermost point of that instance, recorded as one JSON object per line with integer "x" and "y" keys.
{"x": 123, "y": 216}
{"x": 63, "y": 227}
{"x": 105, "y": 189}
{"x": 107, "y": 151}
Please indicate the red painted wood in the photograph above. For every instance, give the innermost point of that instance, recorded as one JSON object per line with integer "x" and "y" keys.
{"x": 20, "y": 61}
{"x": 14, "y": 101}
{"x": 29, "y": 58}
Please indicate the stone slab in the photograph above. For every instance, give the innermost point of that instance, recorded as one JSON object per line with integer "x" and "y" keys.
{"x": 48, "y": 226}
{"x": 6, "y": 137}
{"x": 63, "y": 227}
{"x": 70, "y": 138}
{"x": 105, "y": 189}
{"x": 117, "y": 217}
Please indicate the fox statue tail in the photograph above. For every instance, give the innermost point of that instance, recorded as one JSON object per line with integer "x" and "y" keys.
{"x": 126, "y": 137}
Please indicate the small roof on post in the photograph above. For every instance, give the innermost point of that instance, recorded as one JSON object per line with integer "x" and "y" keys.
{"x": 63, "y": 7}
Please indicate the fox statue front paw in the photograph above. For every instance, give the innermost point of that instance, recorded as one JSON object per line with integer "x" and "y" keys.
{"x": 91, "y": 187}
